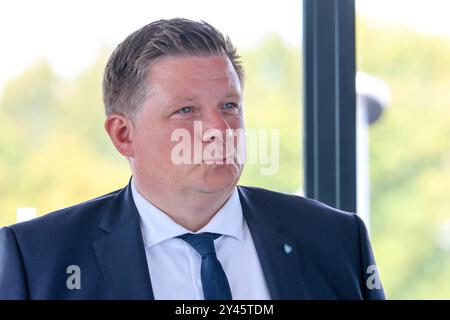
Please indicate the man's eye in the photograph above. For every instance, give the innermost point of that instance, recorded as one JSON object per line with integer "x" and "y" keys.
{"x": 185, "y": 110}
{"x": 230, "y": 106}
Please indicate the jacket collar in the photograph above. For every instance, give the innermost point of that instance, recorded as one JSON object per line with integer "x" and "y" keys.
{"x": 120, "y": 253}
{"x": 277, "y": 253}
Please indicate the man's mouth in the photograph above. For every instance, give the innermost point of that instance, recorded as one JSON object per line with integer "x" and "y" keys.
{"x": 224, "y": 160}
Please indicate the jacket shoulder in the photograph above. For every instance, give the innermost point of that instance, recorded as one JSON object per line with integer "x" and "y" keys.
{"x": 66, "y": 220}
{"x": 295, "y": 206}
{"x": 309, "y": 221}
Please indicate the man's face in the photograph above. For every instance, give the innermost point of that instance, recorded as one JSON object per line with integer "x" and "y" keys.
{"x": 184, "y": 92}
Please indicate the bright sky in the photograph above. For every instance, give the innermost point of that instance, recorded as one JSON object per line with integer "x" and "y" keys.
{"x": 423, "y": 16}
{"x": 69, "y": 33}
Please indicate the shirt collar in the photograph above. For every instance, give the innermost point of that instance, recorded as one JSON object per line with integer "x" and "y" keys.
{"x": 157, "y": 226}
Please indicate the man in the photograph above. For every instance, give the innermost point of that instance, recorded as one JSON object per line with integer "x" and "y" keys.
{"x": 184, "y": 229}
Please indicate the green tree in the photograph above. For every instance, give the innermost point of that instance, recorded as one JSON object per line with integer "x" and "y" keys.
{"x": 410, "y": 160}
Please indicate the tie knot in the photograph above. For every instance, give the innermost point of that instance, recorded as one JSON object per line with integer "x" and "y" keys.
{"x": 202, "y": 242}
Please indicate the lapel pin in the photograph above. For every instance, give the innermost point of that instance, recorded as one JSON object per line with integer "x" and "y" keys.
{"x": 287, "y": 248}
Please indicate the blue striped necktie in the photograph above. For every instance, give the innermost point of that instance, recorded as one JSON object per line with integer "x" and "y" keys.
{"x": 214, "y": 280}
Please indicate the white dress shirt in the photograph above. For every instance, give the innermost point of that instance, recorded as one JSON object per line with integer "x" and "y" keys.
{"x": 174, "y": 265}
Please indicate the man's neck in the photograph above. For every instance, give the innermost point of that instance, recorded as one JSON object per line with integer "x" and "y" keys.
{"x": 192, "y": 210}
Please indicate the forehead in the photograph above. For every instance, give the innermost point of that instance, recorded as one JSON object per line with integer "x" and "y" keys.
{"x": 186, "y": 71}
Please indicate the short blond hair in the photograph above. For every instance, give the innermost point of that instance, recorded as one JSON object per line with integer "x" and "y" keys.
{"x": 125, "y": 81}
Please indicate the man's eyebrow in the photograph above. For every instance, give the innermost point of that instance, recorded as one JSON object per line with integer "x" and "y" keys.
{"x": 193, "y": 98}
{"x": 185, "y": 98}
{"x": 233, "y": 95}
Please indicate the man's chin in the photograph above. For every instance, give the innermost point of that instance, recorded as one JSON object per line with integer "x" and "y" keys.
{"x": 216, "y": 182}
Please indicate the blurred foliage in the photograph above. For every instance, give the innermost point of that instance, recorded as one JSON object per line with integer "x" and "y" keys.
{"x": 272, "y": 100}
{"x": 410, "y": 160}
{"x": 54, "y": 151}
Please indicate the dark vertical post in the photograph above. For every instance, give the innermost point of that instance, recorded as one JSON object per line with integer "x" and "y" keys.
{"x": 330, "y": 102}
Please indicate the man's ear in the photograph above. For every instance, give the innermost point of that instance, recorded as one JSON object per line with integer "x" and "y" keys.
{"x": 120, "y": 131}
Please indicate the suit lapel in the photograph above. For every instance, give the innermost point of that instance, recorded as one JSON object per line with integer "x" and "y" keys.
{"x": 121, "y": 253}
{"x": 277, "y": 253}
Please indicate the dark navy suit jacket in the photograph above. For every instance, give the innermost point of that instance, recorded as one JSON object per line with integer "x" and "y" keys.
{"x": 329, "y": 257}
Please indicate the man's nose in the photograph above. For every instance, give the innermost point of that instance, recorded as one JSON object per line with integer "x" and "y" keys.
{"x": 215, "y": 127}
